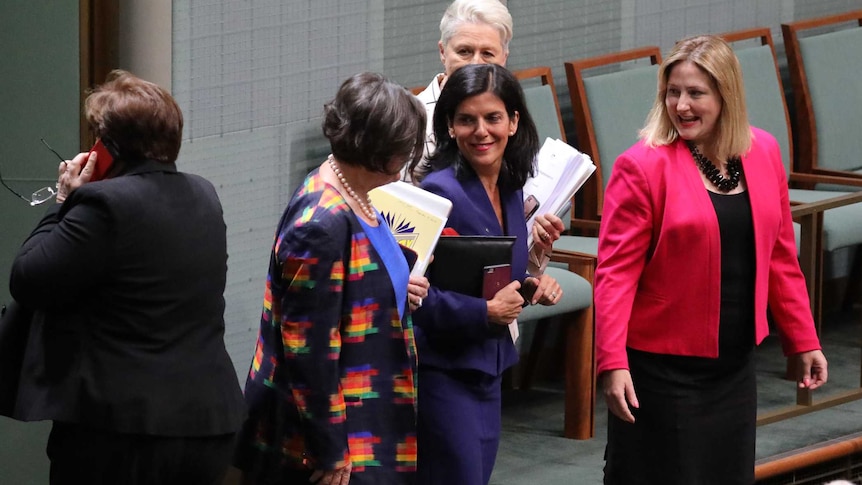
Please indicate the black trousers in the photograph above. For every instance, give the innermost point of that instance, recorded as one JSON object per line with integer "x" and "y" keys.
{"x": 81, "y": 454}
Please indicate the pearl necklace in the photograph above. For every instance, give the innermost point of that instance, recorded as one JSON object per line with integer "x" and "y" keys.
{"x": 713, "y": 174}
{"x": 365, "y": 205}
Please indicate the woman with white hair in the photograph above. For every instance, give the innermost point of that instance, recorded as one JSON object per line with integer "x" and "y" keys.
{"x": 471, "y": 32}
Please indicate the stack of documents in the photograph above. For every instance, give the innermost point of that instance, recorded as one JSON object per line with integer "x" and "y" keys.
{"x": 561, "y": 171}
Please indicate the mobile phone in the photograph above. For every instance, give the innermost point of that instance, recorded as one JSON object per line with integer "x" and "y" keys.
{"x": 104, "y": 160}
{"x": 528, "y": 288}
{"x": 531, "y": 205}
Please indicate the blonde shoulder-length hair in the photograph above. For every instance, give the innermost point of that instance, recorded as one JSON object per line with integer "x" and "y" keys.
{"x": 716, "y": 58}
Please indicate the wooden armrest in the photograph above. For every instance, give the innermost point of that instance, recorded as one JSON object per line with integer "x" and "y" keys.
{"x": 809, "y": 208}
{"x": 836, "y": 173}
{"x": 828, "y": 177}
{"x": 582, "y": 264}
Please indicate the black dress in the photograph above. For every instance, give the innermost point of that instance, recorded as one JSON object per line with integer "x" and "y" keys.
{"x": 696, "y": 421}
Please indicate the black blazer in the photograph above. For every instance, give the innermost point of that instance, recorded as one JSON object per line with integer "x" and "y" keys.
{"x": 130, "y": 274}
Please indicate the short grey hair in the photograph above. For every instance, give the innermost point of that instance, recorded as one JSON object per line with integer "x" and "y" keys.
{"x": 490, "y": 12}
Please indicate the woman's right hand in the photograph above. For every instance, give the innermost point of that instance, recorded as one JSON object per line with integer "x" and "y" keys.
{"x": 70, "y": 175}
{"x": 339, "y": 476}
{"x": 620, "y": 393}
{"x": 506, "y": 305}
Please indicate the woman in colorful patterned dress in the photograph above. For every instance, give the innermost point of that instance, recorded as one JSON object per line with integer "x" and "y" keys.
{"x": 332, "y": 385}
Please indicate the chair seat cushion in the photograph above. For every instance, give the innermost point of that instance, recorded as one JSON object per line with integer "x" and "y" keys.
{"x": 841, "y": 225}
{"x": 581, "y": 244}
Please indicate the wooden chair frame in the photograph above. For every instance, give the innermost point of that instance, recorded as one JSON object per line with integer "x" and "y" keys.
{"x": 547, "y": 79}
{"x": 592, "y": 194}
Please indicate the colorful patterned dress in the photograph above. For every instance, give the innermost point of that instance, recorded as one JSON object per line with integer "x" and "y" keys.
{"x": 333, "y": 376}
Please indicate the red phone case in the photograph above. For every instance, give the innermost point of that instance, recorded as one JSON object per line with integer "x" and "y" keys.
{"x": 103, "y": 160}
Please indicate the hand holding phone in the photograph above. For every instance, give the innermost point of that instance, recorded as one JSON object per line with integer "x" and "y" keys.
{"x": 528, "y": 289}
{"x": 104, "y": 160}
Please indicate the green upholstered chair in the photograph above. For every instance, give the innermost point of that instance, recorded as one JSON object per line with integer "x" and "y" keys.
{"x": 610, "y": 104}
{"x": 767, "y": 109}
{"x": 541, "y": 98}
{"x": 824, "y": 57}
{"x": 574, "y": 270}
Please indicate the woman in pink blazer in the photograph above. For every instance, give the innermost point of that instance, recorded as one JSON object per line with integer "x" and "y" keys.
{"x": 696, "y": 242}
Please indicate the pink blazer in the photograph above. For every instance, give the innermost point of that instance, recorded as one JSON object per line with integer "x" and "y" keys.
{"x": 658, "y": 279}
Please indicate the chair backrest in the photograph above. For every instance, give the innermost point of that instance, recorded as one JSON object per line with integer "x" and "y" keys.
{"x": 825, "y": 72}
{"x": 764, "y": 94}
{"x": 609, "y": 108}
{"x": 540, "y": 95}
{"x": 541, "y": 98}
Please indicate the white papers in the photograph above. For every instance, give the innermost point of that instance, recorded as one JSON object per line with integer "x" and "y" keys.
{"x": 415, "y": 216}
{"x": 561, "y": 171}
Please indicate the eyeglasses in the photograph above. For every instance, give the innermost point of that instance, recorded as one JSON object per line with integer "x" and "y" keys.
{"x": 40, "y": 196}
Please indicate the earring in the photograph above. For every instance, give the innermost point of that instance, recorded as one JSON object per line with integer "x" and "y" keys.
{"x": 451, "y": 133}
{"x": 511, "y": 133}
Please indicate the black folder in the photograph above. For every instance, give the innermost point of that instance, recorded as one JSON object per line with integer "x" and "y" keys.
{"x": 460, "y": 261}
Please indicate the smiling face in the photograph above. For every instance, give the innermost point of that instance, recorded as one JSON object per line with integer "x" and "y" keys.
{"x": 481, "y": 128}
{"x": 472, "y": 44}
{"x": 693, "y": 103}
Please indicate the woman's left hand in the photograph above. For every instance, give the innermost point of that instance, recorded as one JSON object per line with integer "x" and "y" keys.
{"x": 547, "y": 229}
{"x": 417, "y": 290}
{"x": 548, "y": 291}
{"x": 812, "y": 365}
{"x": 71, "y": 176}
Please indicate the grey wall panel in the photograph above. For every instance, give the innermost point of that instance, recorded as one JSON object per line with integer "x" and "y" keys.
{"x": 252, "y": 79}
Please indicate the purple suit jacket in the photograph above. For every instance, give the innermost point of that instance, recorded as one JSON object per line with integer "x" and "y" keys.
{"x": 452, "y": 329}
{"x": 658, "y": 279}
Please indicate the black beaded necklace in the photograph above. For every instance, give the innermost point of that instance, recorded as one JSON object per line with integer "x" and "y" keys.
{"x": 713, "y": 174}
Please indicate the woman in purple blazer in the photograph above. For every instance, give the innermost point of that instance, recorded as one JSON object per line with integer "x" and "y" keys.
{"x": 696, "y": 241}
{"x": 487, "y": 143}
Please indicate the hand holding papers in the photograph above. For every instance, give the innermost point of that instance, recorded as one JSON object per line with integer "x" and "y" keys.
{"x": 415, "y": 217}
{"x": 561, "y": 171}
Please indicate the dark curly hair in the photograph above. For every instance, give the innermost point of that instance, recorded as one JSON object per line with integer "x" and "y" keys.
{"x": 521, "y": 149}
{"x": 373, "y": 120}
